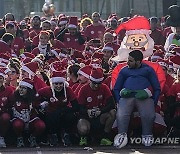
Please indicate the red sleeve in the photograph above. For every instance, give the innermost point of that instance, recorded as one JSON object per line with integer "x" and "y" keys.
{"x": 107, "y": 92}
{"x": 35, "y": 41}
{"x": 81, "y": 96}
{"x": 70, "y": 94}
{"x": 172, "y": 91}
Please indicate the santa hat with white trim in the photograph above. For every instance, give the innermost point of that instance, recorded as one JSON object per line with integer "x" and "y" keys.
{"x": 4, "y": 59}
{"x": 108, "y": 46}
{"x": 85, "y": 71}
{"x": 58, "y": 76}
{"x": 177, "y": 51}
{"x": 27, "y": 83}
{"x": 176, "y": 61}
{"x": 97, "y": 75}
{"x": 27, "y": 54}
{"x": 63, "y": 21}
{"x": 96, "y": 63}
{"x": 73, "y": 22}
{"x": 157, "y": 55}
{"x": 5, "y": 69}
{"x": 31, "y": 68}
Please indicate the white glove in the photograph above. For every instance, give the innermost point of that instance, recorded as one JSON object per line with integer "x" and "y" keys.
{"x": 90, "y": 113}
{"x": 43, "y": 105}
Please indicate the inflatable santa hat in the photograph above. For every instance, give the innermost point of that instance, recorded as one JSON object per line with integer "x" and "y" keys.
{"x": 137, "y": 26}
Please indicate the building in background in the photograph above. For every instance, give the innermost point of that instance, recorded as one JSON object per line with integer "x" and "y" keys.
{"x": 148, "y": 8}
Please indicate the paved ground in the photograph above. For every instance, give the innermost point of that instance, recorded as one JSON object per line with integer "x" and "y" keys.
{"x": 99, "y": 150}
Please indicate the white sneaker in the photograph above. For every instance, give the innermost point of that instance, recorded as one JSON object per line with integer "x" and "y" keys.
{"x": 2, "y": 143}
{"x": 120, "y": 140}
{"x": 147, "y": 140}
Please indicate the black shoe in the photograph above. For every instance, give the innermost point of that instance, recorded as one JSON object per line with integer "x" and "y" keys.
{"x": 53, "y": 140}
{"x": 20, "y": 142}
{"x": 32, "y": 141}
{"x": 66, "y": 139}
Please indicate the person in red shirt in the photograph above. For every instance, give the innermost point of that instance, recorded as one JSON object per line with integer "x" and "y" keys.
{"x": 156, "y": 33}
{"x": 5, "y": 93}
{"x": 73, "y": 38}
{"x": 97, "y": 108}
{"x": 46, "y": 25}
{"x": 60, "y": 104}
{"x": 24, "y": 115}
{"x": 72, "y": 75}
{"x": 35, "y": 29}
{"x": 29, "y": 71}
{"x": 18, "y": 44}
{"x": 83, "y": 78}
{"x": 95, "y": 30}
{"x": 173, "y": 107}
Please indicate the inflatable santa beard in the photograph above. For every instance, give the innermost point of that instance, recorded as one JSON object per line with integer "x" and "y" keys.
{"x": 135, "y": 39}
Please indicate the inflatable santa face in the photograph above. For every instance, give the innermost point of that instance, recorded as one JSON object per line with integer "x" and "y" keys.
{"x": 137, "y": 37}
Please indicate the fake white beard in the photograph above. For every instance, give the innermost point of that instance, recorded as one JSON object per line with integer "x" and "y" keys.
{"x": 123, "y": 54}
{"x": 42, "y": 49}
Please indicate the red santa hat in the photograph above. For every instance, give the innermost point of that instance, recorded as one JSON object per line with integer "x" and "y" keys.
{"x": 85, "y": 71}
{"x": 108, "y": 46}
{"x": 96, "y": 63}
{"x": 98, "y": 55}
{"x": 176, "y": 61}
{"x": 73, "y": 22}
{"x": 26, "y": 60}
{"x": 4, "y": 58}
{"x": 163, "y": 63}
{"x": 26, "y": 82}
{"x": 176, "y": 50}
{"x": 2, "y": 73}
{"x": 63, "y": 21}
{"x": 27, "y": 54}
{"x": 5, "y": 69}
{"x": 31, "y": 68}
{"x": 56, "y": 66}
{"x": 157, "y": 55}
{"x": 59, "y": 76}
{"x": 135, "y": 25}
{"x": 97, "y": 75}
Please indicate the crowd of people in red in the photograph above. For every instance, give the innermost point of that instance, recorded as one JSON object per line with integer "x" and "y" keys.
{"x": 55, "y": 79}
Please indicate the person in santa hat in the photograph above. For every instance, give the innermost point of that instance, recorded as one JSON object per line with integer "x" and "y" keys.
{"x": 141, "y": 90}
{"x": 73, "y": 39}
{"x": 96, "y": 29}
{"x": 59, "y": 103}
{"x": 174, "y": 21}
{"x": 62, "y": 23}
{"x": 83, "y": 77}
{"x": 84, "y": 23}
{"x": 44, "y": 47}
{"x": 24, "y": 115}
{"x": 5, "y": 93}
{"x": 97, "y": 113}
{"x": 45, "y": 26}
{"x": 29, "y": 71}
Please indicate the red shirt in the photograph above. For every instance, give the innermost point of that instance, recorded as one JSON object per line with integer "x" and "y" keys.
{"x": 94, "y": 98}
{"x": 17, "y": 45}
{"x": 4, "y": 48}
{"x": 35, "y": 41}
{"x": 72, "y": 42}
{"x": 5, "y": 93}
{"x": 46, "y": 94}
{"x": 58, "y": 44}
{"x": 92, "y": 32}
{"x": 158, "y": 37}
{"x": 175, "y": 91}
{"x": 34, "y": 32}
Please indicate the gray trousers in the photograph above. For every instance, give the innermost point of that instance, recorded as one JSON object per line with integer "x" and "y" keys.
{"x": 146, "y": 111}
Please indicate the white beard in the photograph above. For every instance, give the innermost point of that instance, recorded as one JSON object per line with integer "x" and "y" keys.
{"x": 123, "y": 54}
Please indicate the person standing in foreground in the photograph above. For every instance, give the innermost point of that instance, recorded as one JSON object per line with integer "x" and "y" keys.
{"x": 136, "y": 86}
